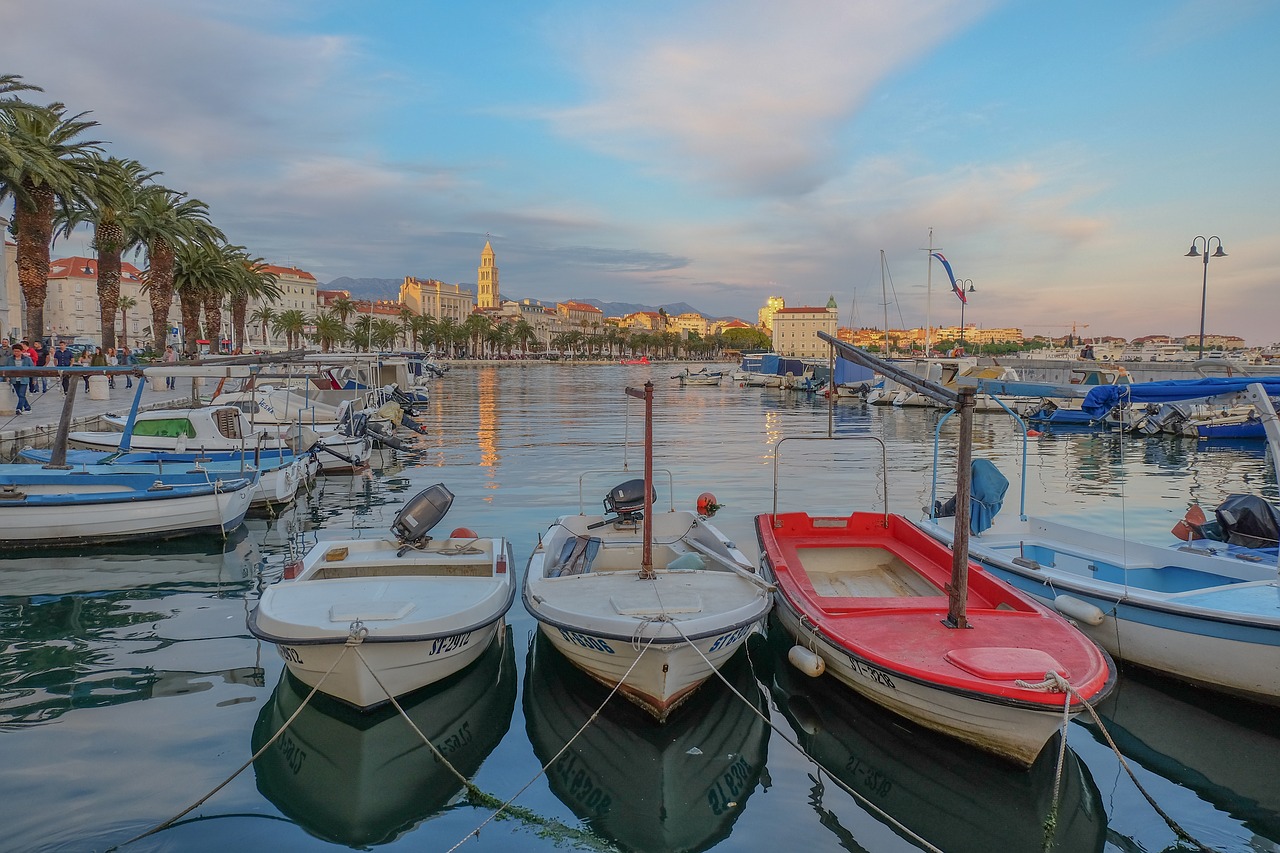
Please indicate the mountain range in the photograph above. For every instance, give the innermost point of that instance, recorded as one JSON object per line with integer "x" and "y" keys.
{"x": 389, "y": 288}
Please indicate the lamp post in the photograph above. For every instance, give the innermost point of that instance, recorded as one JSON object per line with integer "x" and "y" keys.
{"x": 966, "y": 286}
{"x": 1204, "y": 285}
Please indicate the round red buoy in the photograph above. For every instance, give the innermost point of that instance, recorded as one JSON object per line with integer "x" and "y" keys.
{"x": 707, "y": 504}
{"x": 463, "y": 533}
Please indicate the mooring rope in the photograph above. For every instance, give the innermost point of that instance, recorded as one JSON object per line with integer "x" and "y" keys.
{"x": 543, "y": 769}
{"x": 898, "y": 825}
{"x": 1060, "y": 683}
{"x": 352, "y": 641}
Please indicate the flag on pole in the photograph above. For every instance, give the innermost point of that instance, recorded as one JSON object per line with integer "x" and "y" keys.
{"x": 957, "y": 289}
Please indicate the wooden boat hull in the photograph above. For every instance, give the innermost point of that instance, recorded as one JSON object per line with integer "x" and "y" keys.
{"x": 1213, "y": 621}
{"x": 414, "y": 618}
{"x": 44, "y": 508}
{"x": 656, "y": 640}
{"x": 865, "y": 594}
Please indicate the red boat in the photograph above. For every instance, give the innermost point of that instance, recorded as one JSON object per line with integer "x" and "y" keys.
{"x": 641, "y": 360}
{"x": 865, "y": 597}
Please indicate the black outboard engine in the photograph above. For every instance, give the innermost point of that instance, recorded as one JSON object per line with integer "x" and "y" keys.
{"x": 1245, "y": 520}
{"x": 626, "y": 501}
{"x": 419, "y": 514}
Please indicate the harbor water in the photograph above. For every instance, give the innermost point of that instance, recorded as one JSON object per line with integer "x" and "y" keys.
{"x": 130, "y": 687}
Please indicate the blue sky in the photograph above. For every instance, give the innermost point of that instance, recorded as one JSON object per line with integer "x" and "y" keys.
{"x": 715, "y": 152}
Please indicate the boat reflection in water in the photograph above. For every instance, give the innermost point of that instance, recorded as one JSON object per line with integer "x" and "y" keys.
{"x": 1220, "y": 748}
{"x": 645, "y": 786}
{"x": 360, "y": 779}
{"x": 955, "y": 797}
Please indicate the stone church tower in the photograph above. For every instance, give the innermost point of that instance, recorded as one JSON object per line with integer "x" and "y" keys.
{"x": 487, "y": 295}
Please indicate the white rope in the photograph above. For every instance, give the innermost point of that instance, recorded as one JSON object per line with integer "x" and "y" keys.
{"x": 798, "y": 748}
{"x": 352, "y": 641}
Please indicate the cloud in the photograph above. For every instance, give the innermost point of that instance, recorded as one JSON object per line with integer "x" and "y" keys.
{"x": 747, "y": 96}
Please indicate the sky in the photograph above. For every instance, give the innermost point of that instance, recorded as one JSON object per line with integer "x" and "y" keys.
{"x": 716, "y": 152}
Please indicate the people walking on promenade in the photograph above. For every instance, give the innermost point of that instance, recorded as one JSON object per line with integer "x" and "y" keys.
{"x": 170, "y": 357}
{"x": 40, "y": 355}
{"x": 21, "y": 359}
{"x": 62, "y": 358}
{"x": 111, "y": 360}
{"x": 86, "y": 360}
{"x": 127, "y": 359}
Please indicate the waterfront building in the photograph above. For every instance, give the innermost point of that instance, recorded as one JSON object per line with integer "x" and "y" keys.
{"x": 689, "y": 324}
{"x": 71, "y": 307}
{"x": 299, "y": 291}
{"x": 647, "y": 321}
{"x": 542, "y": 318}
{"x": 579, "y": 316}
{"x": 11, "y": 321}
{"x": 772, "y": 306}
{"x": 433, "y": 298}
{"x": 720, "y": 326}
{"x": 487, "y": 293}
{"x": 795, "y": 330}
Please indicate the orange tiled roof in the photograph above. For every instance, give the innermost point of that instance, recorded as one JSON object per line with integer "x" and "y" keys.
{"x": 87, "y": 268}
{"x": 293, "y": 271}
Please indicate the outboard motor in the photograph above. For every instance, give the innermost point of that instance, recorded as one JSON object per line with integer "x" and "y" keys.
{"x": 419, "y": 514}
{"x": 1247, "y": 521}
{"x": 626, "y": 501}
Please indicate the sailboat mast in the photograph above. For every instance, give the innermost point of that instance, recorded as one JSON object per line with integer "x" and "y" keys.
{"x": 928, "y": 299}
{"x": 884, "y": 299}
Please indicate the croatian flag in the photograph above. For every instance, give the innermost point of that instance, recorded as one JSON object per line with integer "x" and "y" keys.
{"x": 957, "y": 289}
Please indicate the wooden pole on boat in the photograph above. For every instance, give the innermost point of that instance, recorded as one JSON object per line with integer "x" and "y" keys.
{"x": 958, "y": 589}
{"x": 58, "y": 459}
{"x": 646, "y": 555}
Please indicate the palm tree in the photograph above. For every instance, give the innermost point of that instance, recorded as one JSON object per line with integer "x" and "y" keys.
{"x": 201, "y": 275}
{"x": 167, "y": 219}
{"x": 422, "y": 330}
{"x": 253, "y": 280}
{"x": 123, "y": 304}
{"x": 476, "y": 326}
{"x": 329, "y": 331}
{"x": 9, "y": 105}
{"x": 291, "y": 324}
{"x": 406, "y": 324}
{"x": 43, "y": 161}
{"x": 112, "y": 199}
{"x": 448, "y": 334}
{"x": 524, "y": 334}
{"x": 385, "y": 333}
{"x": 343, "y": 307}
{"x": 265, "y": 315}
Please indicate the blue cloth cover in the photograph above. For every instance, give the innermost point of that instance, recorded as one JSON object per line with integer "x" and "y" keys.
{"x": 987, "y": 494}
{"x": 1104, "y": 398}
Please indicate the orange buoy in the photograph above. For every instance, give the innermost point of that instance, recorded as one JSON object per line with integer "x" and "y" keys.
{"x": 1034, "y": 433}
{"x": 463, "y": 533}
{"x": 707, "y": 505}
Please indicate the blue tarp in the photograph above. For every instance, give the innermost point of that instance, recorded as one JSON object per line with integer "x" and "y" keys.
{"x": 769, "y": 364}
{"x": 851, "y": 373}
{"x": 1104, "y": 398}
{"x": 986, "y": 494}
{"x": 794, "y": 366}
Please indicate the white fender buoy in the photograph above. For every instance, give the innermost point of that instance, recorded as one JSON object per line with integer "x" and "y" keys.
{"x": 806, "y": 661}
{"x": 1081, "y": 611}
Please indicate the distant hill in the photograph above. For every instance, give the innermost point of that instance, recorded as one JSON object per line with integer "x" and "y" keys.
{"x": 367, "y": 288}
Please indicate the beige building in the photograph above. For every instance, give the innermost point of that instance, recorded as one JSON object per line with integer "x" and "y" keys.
{"x": 11, "y": 319}
{"x": 772, "y": 306}
{"x": 487, "y": 293}
{"x": 298, "y": 292}
{"x": 689, "y": 324}
{"x": 433, "y": 298}
{"x": 544, "y": 320}
{"x": 71, "y": 308}
{"x": 795, "y": 330}
{"x": 580, "y": 316}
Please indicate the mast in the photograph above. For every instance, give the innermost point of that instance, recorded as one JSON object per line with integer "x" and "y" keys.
{"x": 884, "y": 299}
{"x": 928, "y": 299}
{"x": 646, "y": 556}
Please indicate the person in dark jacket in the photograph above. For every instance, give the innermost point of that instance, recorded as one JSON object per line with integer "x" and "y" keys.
{"x": 62, "y": 358}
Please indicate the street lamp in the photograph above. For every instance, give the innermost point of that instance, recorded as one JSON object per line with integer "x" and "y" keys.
{"x": 961, "y": 283}
{"x": 1204, "y": 286}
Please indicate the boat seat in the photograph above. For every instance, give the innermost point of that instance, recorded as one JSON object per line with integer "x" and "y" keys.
{"x": 575, "y": 556}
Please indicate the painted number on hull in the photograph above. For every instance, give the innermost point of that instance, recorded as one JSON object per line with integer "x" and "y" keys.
{"x": 586, "y": 642}
{"x": 444, "y": 645}
{"x": 581, "y": 785}
{"x": 729, "y": 639}
{"x": 873, "y": 779}
{"x": 290, "y": 654}
{"x": 294, "y": 756}
{"x": 870, "y": 673}
{"x": 727, "y": 791}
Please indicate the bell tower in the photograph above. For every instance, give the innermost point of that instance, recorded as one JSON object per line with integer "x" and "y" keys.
{"x": 487, "y": 295}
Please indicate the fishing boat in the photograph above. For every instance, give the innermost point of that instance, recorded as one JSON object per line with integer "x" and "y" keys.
{"x": 912, "y": 625}
{"x": 42, "y": 506}
{"x": 366, "y": 620}
{"x": 363, "y": 779}
{"x": 702, "y": 377}
{"x": 1064, "y": 407}
{"x": 917, "y": 782}
{"x": 652, "y": 603}
{"x": 1202, "y": 609}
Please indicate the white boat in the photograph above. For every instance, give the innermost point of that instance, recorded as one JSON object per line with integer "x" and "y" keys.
{"x": 650, "y": 602}
{"x": 415, "y": 610}
{"x": 702, "y": 377}
{"x": 53, "y": 506}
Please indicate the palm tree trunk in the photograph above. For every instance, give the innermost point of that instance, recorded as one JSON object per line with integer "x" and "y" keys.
{"x": 239, "y": 308}
{"x": 108, "y": 239}
{"x": 160, "y": 290}
{"x": 35, "y": 231}
{"x": 189, "y": 304}
{"x": 213, "y": 320}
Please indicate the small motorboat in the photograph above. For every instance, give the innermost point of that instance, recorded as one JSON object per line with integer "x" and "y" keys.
{"x": 866, "y": 598}
{"x": 653, "y": 603}
{"x": 365, "y": 620}
{"x": 702, "y": 377}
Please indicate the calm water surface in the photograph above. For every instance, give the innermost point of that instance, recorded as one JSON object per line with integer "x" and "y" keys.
{"x": 130, "y": 688}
